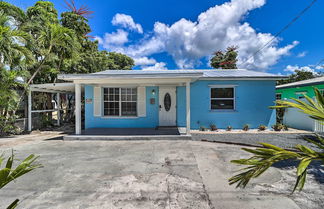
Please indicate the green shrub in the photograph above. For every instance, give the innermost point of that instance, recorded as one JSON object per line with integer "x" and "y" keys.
{"x": 262, "y": 128}
{"x": 246, "y": 127}
{"x": 203, "y": 128}
{"x": 278, "y": 127}
{"x": 213, "y": 127}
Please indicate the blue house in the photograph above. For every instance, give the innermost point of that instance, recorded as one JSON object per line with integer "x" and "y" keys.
{"x": 179, "y": 98}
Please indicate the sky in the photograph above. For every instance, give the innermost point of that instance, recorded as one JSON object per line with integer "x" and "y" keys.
{"x": 183, "y": 34}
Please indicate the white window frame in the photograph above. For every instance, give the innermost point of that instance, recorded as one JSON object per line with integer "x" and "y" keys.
{"x": 223, "y": 86}
{"x": 120, "y": 102}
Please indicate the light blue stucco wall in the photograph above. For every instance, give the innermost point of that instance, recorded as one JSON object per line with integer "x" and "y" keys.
{"x": 252, "y": 99}
{"x": 150, "y": 121}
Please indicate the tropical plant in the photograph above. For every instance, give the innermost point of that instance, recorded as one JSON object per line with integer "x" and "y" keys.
{"x": 262, "y": 128}
{"x": 225, "y": 60}
{"x": 8, "y": 173}
{"x": 278, "y": 127}
{"x": 263, "y": 158}
{"x": 202, "y": 128}
{"x": 213, "y": 127}
{"x": 246, "y": 127}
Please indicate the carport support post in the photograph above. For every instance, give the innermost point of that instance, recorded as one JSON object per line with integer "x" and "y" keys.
{"x": 58, "y": 99}
{"x": 29, "y": 110}
{"x": 188, "y": 106}
{"x": 77, "y": 108}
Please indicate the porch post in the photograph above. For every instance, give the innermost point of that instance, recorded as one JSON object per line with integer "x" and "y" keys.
{"x": 77, "y": 108}
{"x": 29, "y": 110}
{"x": 58, "y": 99}
{"x": 188, "y": 106}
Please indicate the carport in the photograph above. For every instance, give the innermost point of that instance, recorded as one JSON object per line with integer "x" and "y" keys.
{"x": 54, "y": 88}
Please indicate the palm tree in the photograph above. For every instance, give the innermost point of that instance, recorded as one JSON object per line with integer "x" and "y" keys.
{"x": 8, "y": 173}
{"x": 12, "y": 42}
{"x": 264, "y": 158}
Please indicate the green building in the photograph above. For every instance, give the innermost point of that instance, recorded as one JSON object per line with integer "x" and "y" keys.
{"x": 299, "y": 89}
{"x": 292, "y": 117}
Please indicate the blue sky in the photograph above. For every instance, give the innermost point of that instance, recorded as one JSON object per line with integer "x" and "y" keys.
{"x": 182, "y": 34}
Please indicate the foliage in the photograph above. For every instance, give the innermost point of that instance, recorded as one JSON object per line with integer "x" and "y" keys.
{"x": 298, "y": 75}
{"x": 35, "y": 46}
{"x": 8, "y": 99}
{"x": 202, "y": 128}
{"x": 278, "y": 127}
{"x": 82, "y": 11}
{"x": 229, "y": 128}
{"x": 262, "y": 128}
{"x": 265, "y": 157}
{"x": 8, "y": 173}
{"x": 225, "y": 60}
{"x": 213, "y": 127}
{"x": 246, "y": 127}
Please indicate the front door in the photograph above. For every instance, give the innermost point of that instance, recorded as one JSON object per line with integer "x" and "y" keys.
{"x": 168, "y": 102}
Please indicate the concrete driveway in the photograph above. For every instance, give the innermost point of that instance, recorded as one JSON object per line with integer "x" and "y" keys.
{"x": 142, "y": 174}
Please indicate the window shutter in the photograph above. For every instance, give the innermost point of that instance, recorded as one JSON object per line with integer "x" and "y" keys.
{"x": 97, "y": 101}
{"x": 141, "y": 101}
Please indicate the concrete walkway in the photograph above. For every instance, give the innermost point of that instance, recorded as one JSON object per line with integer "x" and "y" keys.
{"x": 144, "y": 174}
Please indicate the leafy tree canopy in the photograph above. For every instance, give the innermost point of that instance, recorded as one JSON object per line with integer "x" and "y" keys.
{"x": 226, "y": 59}
{"x": 298, "y": 75}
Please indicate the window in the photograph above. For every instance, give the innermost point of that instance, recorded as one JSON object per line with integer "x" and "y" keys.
{"x": 301, "y": 94}
{"x": 120, "y": 101}
{"x": 278, "y": 96}
{"x": 222, "y": 98}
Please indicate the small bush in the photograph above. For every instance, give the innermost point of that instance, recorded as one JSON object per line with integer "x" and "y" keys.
{"x": 246, "y": 127}
{"x": 229, "y": 128}
{"x": 203, "y": 128}
{"x": 285, "y": 127}
{"x": 278, "y": 127}
{"x": 262, "y": 128}
{"x": 213, "y": 127}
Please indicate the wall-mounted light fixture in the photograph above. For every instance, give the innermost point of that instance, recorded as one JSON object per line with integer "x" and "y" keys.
{"x": 153, "y": 92}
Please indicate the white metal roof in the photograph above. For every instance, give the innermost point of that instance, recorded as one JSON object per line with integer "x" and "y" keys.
{"x": 313, "y": 81}
{"x": 235, "y": 73}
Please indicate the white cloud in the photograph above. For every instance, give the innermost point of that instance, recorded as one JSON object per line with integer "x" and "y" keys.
{"x": 301, "y": 54}
{"x": 156, "y": 66}
{"x": 144, "y": 61}
{"x": 126, "y": 21}
{"x": 114, "y": 39}
{"x": 293, "y": 68}
{"x": 215, "y": 29}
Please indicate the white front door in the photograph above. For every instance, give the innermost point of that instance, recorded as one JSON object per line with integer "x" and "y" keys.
{"x": 168, "y": 102}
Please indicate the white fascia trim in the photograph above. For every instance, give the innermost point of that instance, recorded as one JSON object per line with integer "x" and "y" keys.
{"x": 222, "y": 86}
{"x": 238, "y": 79}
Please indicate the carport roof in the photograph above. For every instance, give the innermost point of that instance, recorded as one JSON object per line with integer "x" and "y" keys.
{"x": 53, "y": 87}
